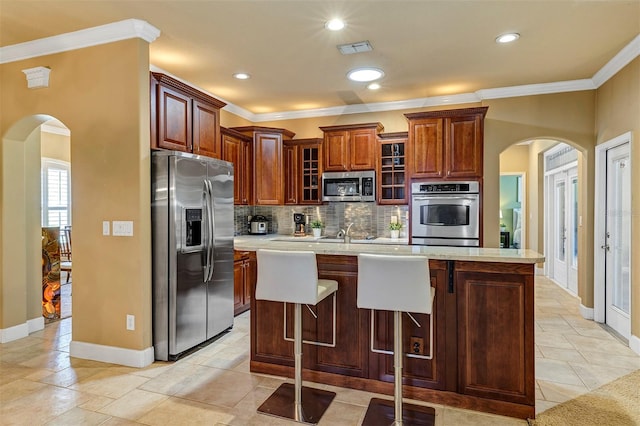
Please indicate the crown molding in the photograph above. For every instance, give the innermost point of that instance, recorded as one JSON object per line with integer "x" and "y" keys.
{"x": 116, "y": 31}
{"x": 622, "y": 58}
{"x": 135, "y": 28}
{"x": 373, "y": 107}
{"x": 536, "y": 89}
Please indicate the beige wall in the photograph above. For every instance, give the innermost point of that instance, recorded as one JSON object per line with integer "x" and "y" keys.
{"x": 109, "y": 123}
{"x": 618, "y": 112}
{"x": 55, "y": 146}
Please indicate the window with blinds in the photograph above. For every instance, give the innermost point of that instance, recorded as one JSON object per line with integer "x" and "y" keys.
{"x": 56, "y": 193}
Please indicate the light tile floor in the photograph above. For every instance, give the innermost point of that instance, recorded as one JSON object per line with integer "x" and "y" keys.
{"x": 41, "y": 384}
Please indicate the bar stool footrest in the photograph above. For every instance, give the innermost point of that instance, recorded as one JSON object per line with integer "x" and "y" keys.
{"x": 382, "y": 412}
{"x": 281, "y": 403}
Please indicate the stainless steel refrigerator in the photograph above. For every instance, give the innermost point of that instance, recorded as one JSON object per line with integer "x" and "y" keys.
{"x": 192, "y": 243}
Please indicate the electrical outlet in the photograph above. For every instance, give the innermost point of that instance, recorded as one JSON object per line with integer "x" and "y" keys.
{"x": 131, "y": 322}
{"x": 105, "y": 227}
{"x": 417, "y": 345}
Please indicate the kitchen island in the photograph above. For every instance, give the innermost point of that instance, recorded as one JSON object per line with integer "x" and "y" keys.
{"x": 483, "y": 343}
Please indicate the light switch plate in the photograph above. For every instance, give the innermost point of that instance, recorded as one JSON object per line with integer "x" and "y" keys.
{"x": 105, "y": 227}
{"x": 123, "y": 228}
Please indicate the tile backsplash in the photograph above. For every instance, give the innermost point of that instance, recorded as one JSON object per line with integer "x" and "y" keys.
{"x": 367, "y": 218}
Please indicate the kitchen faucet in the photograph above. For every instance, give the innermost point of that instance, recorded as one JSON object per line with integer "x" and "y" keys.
{"x": 345, "y": 234}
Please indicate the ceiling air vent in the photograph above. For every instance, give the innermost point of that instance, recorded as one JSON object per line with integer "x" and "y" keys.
{"x": 358, "y": 47}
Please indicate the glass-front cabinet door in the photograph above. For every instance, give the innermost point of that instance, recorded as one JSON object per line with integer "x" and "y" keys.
{"x": 309, "y": 170}
{"x": 392, "y": 182}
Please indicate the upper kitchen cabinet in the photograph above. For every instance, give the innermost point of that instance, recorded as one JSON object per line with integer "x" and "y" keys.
{"x": 446, "y": 144}
{"x": 236, "y": 148}
{"x": 183, "y": 118}
{"x": 392, "y": 174}
{"x": 350, "y": 147}
{"x": 268, "y": 169}
{"x": 303, "y": 171}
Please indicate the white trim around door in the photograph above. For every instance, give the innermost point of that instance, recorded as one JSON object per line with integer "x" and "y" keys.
{"x": 600, "y": 225}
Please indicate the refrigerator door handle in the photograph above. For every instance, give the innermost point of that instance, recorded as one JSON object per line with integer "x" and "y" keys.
{"x": 212, "y": 233}
{"x": 207, "y": 231}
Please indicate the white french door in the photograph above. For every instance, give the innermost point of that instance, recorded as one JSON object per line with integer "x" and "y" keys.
{"x": 559, "y": 226}
{"x": 617, "y": 240}
{"x": 563, "y": 228}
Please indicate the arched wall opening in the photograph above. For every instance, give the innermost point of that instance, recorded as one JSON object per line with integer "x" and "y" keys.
{"x": 528, "y": 156}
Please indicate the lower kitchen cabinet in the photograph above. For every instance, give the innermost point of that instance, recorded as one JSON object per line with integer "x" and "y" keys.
{"x": 495, "y": 331}
{"x": 244, "y": 278}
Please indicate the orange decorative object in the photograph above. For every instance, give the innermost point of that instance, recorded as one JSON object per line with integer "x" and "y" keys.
{"x": 50, "y": 273}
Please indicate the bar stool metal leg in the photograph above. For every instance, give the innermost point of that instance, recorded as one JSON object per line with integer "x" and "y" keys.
{"x": 295, "y": 402}
{"x": 397, "y": 366}
{"x": 395, "y": 413}
{"x": 297, "y": 353}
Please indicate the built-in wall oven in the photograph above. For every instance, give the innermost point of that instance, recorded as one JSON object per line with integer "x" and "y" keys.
{"x": 445, "y": 213}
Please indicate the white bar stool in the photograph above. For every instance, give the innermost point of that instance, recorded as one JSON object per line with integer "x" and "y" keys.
{"x": 292, "y": 277}
{"x": 398, "y": 284}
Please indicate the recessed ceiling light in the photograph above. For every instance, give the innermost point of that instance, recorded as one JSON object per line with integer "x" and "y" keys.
{"x": 507, "y": 38}
{"x": 365, "y": 74}
{"x": 242, "y": 76}
{"x": 373, "y": 86}
{"x": 334, "y": 25}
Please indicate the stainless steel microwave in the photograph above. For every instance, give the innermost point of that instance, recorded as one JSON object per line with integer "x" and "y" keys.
{"x": 349, "y": 186}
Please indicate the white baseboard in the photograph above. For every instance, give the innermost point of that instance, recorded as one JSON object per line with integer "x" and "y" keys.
{"x": 587, "y": 313}
{"x": 21, "y": 330}
{"x": 634, "y": 344}
{"x": 112, "y": 354}
{"x": 539, "y": 270}
{"x": 35, "y": 324}
{"x": 14, "y": 333}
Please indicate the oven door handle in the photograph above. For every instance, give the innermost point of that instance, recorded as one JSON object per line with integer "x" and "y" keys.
{"x": 447, "y": 197}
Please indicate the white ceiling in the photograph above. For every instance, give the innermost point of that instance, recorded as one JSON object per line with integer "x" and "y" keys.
{"x": 427, "y": 48}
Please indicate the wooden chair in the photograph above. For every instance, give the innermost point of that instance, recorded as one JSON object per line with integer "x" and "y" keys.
{"x": 65, "y": 251}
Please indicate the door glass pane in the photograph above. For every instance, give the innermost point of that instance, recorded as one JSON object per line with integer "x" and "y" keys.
{"x": 445, "y": 215}
{"x": 621, "y": 229}
{"x": 560, "y": 221}
{"x": 574, "y": 222}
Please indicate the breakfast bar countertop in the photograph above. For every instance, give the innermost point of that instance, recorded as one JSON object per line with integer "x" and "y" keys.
{"x": 474, "y": 254}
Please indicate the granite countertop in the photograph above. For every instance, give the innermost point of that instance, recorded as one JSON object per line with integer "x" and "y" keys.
{"x": 386, "y": 246}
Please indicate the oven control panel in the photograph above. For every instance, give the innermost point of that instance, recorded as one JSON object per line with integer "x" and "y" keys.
{"x": 470, "y": 187}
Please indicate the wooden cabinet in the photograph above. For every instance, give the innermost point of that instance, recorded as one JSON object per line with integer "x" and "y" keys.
{"x": 446, "y": 144}
{"x": 268, "y": 170}
{"x": 236, "y": 148}
{"x": 495, "y": 331}
{"x": 183, "y": 118}
{"x": 350, "y": 147}
{"x": 391, "y": 170}
{"x": 303, "y": 171}
{"x": 244, "y": 277}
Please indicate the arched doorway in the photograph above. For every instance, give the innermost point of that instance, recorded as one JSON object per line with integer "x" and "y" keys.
{"x": 544, "y": 232}
{"x": 21, "y": 231}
